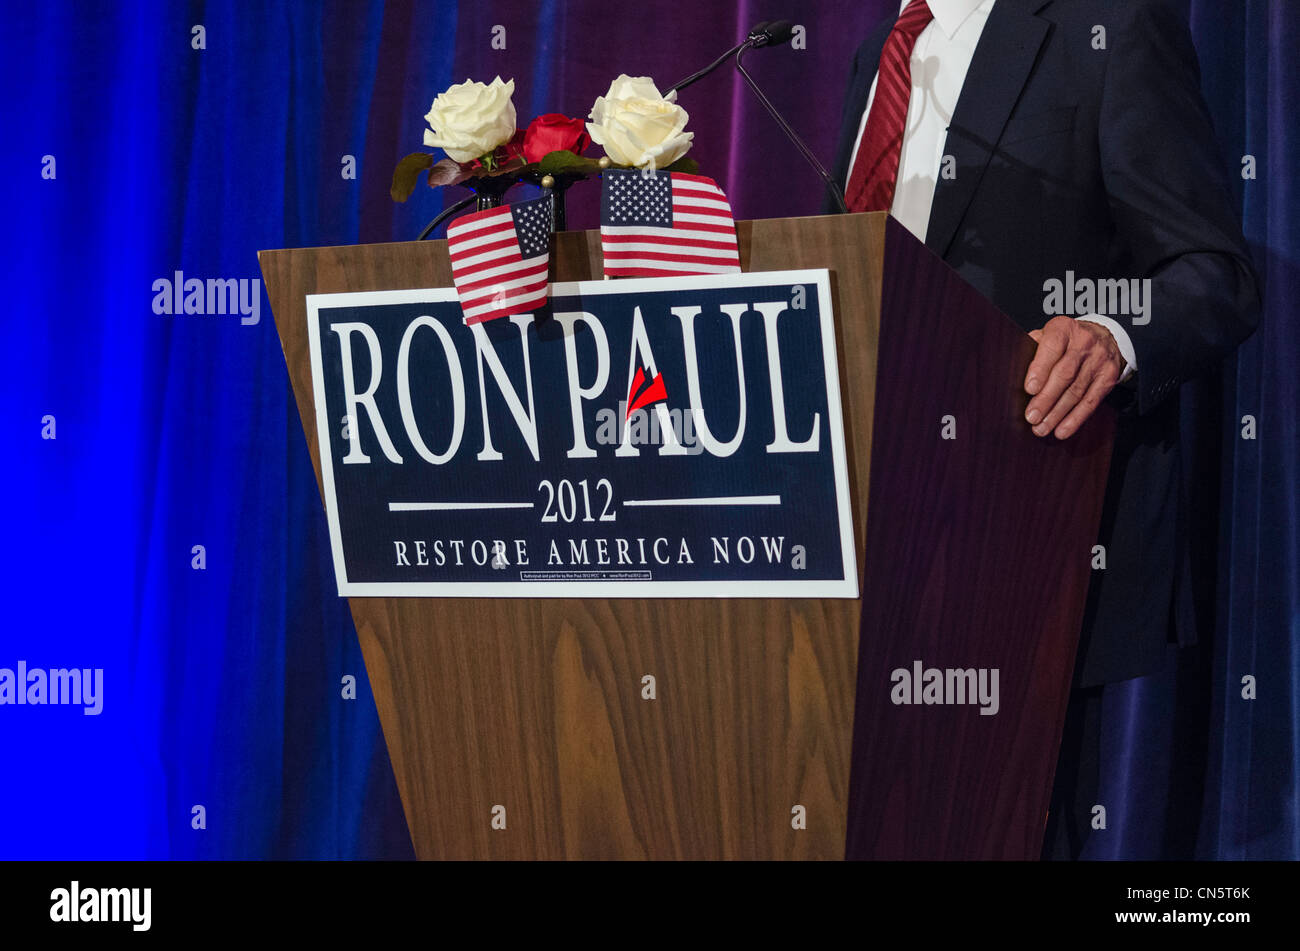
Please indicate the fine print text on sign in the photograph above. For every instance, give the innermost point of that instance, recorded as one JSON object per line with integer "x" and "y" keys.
{"x": 663, "y": 437}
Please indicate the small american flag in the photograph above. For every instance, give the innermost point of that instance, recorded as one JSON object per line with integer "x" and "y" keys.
{"x": 668, "y": 223}
{"x": 499, "y": 259}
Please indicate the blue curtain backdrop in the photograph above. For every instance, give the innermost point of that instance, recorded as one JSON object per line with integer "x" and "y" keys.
{"x": 131, "y": 155}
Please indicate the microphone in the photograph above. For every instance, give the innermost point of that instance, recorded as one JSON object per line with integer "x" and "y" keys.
{"x": 768, "y": 34}
{"x": 774, "y": 34}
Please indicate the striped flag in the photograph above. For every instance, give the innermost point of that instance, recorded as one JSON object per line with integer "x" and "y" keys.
{"x": 664, "y": 224}
{"x": 499, "y": 259}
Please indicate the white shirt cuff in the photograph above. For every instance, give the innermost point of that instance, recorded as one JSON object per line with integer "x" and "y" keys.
{"x": 1121, "y": 339}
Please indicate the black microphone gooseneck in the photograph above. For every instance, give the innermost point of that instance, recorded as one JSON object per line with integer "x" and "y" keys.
{"x": 755, "y": 34}
{"x": 768, "y": 34}
{"x": 774, "y": 34}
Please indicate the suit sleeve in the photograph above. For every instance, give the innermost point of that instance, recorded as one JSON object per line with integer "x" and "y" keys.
{"x": 841, "y": 158}
{"x": 1169, "y": 198}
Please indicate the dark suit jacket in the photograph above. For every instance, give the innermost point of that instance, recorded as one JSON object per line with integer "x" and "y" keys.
{"x": 1102, "y": 162}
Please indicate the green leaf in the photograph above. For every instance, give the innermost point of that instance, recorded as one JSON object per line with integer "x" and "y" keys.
{"x": 687, "y": 165}
{"x": 564, "y": 161}
{"x": 407, "y": 174}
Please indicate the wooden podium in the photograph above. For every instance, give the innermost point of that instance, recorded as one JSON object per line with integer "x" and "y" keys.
{"x": 975, "y": 553}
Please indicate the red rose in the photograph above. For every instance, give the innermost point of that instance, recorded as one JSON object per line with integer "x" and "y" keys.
{"x": 514, "y": 148}
{"x": 553, "y": 132}
{"x": 505, "y": 153}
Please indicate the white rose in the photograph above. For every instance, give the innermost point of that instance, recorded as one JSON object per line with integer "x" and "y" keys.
{"x": 637, "y": 126}
{"x": 471, "y": 119}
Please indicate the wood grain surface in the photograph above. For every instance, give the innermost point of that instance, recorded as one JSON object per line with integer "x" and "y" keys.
{"x": 978, "y": 556}
{"x": 535, "y": 704}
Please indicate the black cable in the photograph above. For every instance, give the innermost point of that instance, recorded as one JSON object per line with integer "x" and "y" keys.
{"x": 706, "y": 70}
{"x": 446, "y": 214}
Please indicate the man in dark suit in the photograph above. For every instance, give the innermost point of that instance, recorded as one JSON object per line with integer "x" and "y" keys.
{"x": 1031, "y": 144}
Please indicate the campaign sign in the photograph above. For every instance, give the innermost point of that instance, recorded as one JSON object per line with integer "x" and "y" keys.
{"x": 663, "y": 437}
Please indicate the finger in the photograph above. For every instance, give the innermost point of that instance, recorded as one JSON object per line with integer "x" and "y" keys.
{"x": 1070, "y": 396}
{"x": 1102, "y": 384}
{"x": 1058, "y": 381}
{"x": 1053, "y": 341}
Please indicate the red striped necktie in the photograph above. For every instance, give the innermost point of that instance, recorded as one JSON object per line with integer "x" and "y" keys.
{"x": 875, "y": 171}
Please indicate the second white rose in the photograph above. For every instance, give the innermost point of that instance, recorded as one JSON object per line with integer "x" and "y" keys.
{"x": 471, "y": 119}
{"x": 637, "y": 126}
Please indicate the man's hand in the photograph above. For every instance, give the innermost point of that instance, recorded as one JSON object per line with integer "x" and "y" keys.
{"x": 1076, "y": 365}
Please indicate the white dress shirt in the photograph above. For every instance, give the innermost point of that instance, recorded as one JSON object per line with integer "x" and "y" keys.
{"x": 940, "y": 60}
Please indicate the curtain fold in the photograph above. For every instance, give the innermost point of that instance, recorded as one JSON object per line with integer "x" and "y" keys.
{"x": 224, "y": 663}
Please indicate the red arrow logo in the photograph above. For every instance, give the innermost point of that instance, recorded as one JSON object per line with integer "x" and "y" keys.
{"x": 654, "y": 393}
